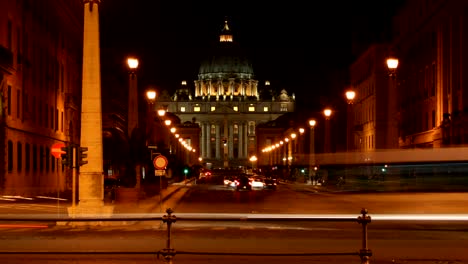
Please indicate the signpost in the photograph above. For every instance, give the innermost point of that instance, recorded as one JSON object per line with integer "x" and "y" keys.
{"x": 160, "y": 163}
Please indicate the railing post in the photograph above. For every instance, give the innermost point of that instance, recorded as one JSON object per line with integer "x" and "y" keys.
{"x": 364, "y": 253}
{"x": 168, "y": 253}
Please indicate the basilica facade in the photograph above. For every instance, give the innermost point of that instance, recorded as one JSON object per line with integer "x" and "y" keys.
{"x": 227, "y": 102}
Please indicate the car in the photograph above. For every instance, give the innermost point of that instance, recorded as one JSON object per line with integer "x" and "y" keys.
{"x": 243, "y": 183}
{"x": 257, "y": 183}
{"x": 229, "y": 182}
{"x": 270, "y": 184}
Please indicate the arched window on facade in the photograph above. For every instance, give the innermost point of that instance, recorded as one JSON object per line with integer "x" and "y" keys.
{"x": 10, "y": 156}
{"x": 19, "y": 156}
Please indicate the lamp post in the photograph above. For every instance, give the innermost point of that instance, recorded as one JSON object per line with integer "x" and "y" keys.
{"x": 132, "y": 96}
{"x": 392, "y": 136}
{"x": 327, "y": 112}
{"x": 350, "y": 95}
{"x": 312, "y": 124}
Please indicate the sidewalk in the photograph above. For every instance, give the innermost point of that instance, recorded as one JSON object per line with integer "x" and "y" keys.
{"x": 168, "y": 198}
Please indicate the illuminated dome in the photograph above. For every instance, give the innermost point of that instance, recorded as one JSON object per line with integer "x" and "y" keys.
{"x": 227, "y": 71}
{"x": 228, "y": 61}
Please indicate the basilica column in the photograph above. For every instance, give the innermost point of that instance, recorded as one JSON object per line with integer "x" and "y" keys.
{"x": 203, "y": 139}
{"x": 91, "y": 183}
{"x": 246, "y": 140}
{"x": 208, "y": 140}
{"x": 218, "y": 142}
{"x": 241, "y": 140}
{"x": 231, "y": 141}
{"x": 210, "y": 88}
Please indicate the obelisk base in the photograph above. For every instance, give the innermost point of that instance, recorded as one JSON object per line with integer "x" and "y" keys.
{"x": 90, "y": 210}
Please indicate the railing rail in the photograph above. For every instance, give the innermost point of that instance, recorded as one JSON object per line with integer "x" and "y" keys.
{"x": 168, "y": 253}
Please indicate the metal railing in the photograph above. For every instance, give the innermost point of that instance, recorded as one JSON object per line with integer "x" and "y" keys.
{"x": 168, "y": 253}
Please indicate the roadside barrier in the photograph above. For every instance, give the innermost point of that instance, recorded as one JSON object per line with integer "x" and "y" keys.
{"x": 168, "y": 253}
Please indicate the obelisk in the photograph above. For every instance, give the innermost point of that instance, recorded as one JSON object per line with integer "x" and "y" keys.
{"x": 91, "y": 177}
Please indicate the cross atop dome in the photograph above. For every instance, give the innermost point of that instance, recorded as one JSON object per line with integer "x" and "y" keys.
{"x": 226, "y": 35}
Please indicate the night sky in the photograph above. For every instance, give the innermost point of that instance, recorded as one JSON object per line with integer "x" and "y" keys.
{"x": 301, "y": 46}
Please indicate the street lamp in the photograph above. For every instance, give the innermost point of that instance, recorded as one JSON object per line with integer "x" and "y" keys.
{"x": 327, "y": 112}
{"x": 350, "y": 95}
{"x": 392, "y": 93}
{"x": 392, "y": 64}
{"x": 253, "y": 159}
{"x": 312, "y": 124}
{"x": 132, "y": 64}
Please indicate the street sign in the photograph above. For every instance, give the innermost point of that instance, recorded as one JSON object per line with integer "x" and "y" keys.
{"x": 160, "y": 162}
{"x": 56, "y": 149}
{"x": 160, "y": 172}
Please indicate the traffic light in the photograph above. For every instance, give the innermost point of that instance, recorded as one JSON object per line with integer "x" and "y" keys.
{"x": 67, "y": 156}
{"x": 82, "y": 155}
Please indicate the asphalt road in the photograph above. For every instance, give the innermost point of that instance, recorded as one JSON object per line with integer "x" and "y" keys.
{"x": 436, "y": 241}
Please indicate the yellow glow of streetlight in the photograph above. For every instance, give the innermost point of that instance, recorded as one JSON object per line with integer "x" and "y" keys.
{"x": 161, "y": 112}
{"x": 293, "y": 135}
{"x": 173, "y": 130}
{"x": 327, "y": 112}
{"x": 167, "y": 122}
{"x": 132, "y": 63}
{"x": 350, "y": 95}
{"x": 301, "y": 130}
{"x": 312, "y": 122}
{"x": 151, "y": 95}
{"x": 392, "y": 63}
{"x": 253, "y": 158}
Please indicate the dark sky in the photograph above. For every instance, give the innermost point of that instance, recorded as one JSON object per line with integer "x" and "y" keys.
{"x": 297, "y": 45}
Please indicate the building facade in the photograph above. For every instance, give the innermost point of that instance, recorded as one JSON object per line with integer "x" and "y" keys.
{"x": 371, "y": 118}
{"x": 430, "y": 40}
{"x": 424, "y": 103}
{"x": 227, "y": 104}
{"x": 40, "y": 81}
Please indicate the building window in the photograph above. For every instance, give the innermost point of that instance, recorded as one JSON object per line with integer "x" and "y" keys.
{"x": 56, "y": 119}
{"x": 236, "y": 129}
{"x": 10, "y": 35}
{"x": 213, "y": 108}
{"x": 433, "y": 119}
{"x": 213, "y": 129}
{"x": 9, "y": 100}
{"x": 265, "y": 109}
{"x": 34, "y": 156}
{"x": 196, "y": 109}
{"x": 47, "y": 159}
{"x": 284, "y": 107}
{"x": 10, "y": 156}
{"x": 182, "y": 108}
{"x": 235, "y": 108}
{"x": 251, "y": 108}
{"x": 27, "y": 156}
{"x": 41, "y": 159}
{"x": 19, "y": 156}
